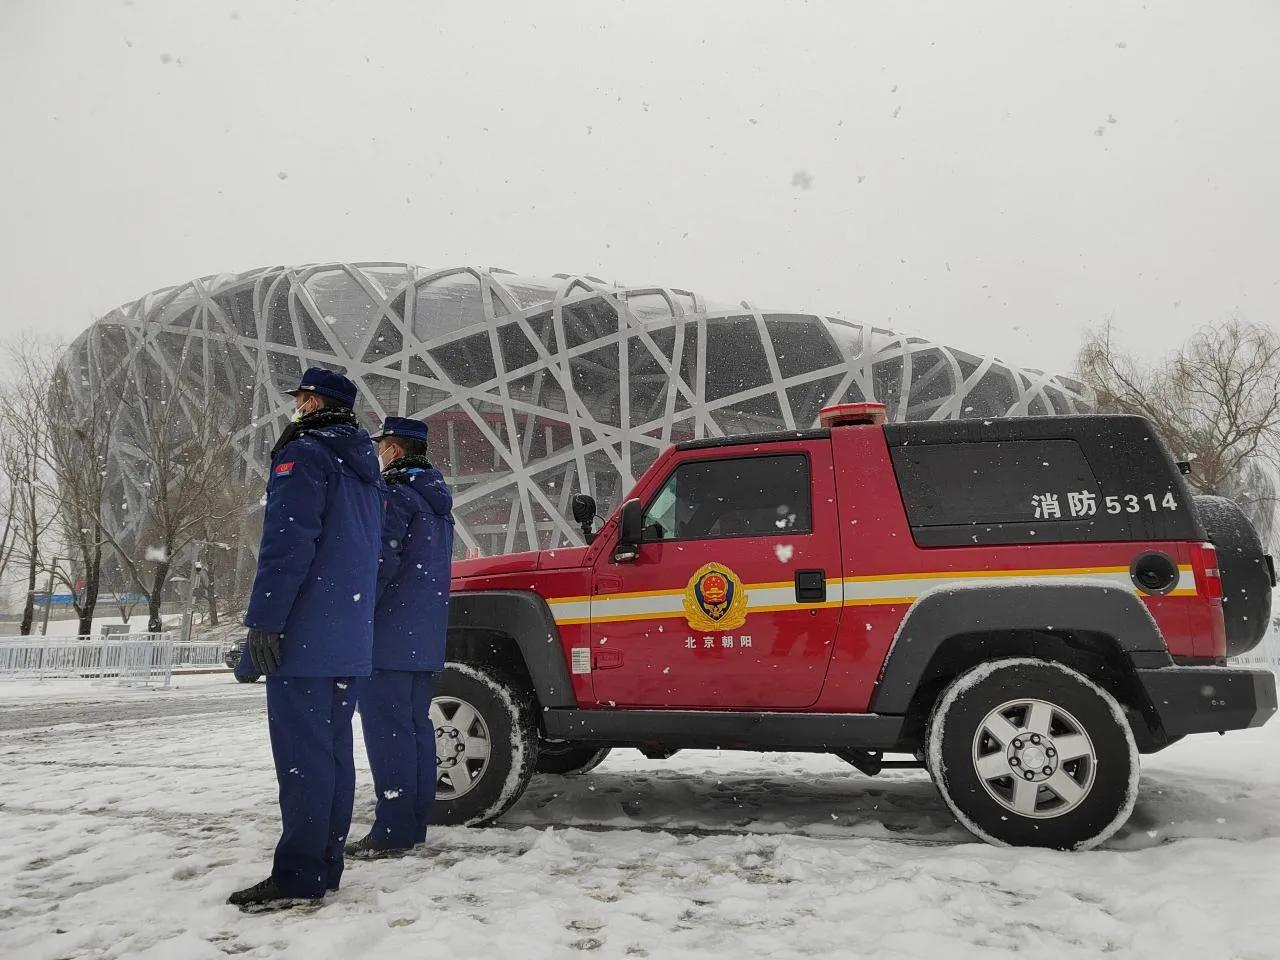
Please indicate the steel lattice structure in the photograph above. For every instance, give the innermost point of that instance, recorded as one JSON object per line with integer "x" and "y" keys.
{"x": 535, "y": 388}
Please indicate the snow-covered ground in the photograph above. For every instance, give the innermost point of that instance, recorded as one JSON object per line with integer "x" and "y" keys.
{"x": 127, "y": 816}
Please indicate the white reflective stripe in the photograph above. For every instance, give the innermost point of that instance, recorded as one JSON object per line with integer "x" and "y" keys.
{"x": 604, "y": 608}
{"x": 851, "y": 592}
{"x": 912, "y": 587}
{"x": 1186, "y": 580}
{"x": 909, "y": 588}
{"x": 671, "y": 604}
{"x": 571, "y": 610}
{"x": 771, "y": 596}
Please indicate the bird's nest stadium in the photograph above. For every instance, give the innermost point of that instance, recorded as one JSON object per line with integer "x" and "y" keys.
{"x": 537, "y": 388}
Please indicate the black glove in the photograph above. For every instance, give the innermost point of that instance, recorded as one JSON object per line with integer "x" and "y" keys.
{"x": 264, "y": 650}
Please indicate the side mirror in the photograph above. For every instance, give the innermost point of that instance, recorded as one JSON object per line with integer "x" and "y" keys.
{"x": 631, "y": 530}
{"x": 584, "y": 514}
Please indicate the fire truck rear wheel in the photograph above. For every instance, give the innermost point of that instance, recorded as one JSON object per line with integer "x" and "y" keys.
{"x": 486, "y": 744}
{"x": 1028, "y": 752}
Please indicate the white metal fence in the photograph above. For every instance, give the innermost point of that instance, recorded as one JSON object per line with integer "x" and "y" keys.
{"x": 132, "y": 658}
{"x": 1265, "y": 654}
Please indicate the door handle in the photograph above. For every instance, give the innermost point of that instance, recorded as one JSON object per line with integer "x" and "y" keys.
{"x": 811, "y": 586}
{"x": 607, "y": 659}
{"x": 608, "y": 584}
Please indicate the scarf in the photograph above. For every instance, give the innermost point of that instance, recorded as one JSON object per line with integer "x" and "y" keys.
{"x": 398, "y": 470}
{"x": 313, "y": 421}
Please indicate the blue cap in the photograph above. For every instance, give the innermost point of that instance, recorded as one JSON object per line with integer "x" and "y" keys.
{"x": 403, "y": 427}
{"x": 327, "y": 384}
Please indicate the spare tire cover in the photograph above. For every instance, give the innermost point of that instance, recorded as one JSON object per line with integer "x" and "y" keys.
{"x": 1246, "y": 581}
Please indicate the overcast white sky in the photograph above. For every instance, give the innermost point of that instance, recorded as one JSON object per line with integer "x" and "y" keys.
{"x": 992, "y": 175}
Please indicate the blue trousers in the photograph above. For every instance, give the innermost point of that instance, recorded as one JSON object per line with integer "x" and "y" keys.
{"x": 310, "y": 723}
{"x": 401, "y": 742}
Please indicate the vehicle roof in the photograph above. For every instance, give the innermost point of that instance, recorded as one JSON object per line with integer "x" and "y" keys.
{"x": 743, "y": 439}
{"x": 968, "y": 428}
{"x": 1115, "y": 426}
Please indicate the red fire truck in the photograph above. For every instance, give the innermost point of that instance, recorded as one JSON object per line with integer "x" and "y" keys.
{"x": 1020, "y": 606}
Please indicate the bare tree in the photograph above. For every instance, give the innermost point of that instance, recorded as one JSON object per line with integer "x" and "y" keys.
{"x": 9, "y": 499}
{"x": 1216, "y": 401}
{"x": 23, "y": 447}
{"x": 190, "y": 472}
{"x": 78, "y": 404}
{"x": 124, "y": 604}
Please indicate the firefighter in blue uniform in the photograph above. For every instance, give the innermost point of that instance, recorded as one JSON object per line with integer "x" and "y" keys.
{"x": 408, "y": 642}
{"x": 310, "y": 623}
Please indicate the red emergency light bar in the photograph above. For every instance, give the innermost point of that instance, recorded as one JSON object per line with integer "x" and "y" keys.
{"x": 851, "y": 414}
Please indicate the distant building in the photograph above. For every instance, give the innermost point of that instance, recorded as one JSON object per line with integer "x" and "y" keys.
{"x": 537, "y": 388}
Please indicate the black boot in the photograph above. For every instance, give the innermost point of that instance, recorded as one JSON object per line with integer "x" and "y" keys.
{"x": 366, "y": 849}
{"x": 265, "y": 897}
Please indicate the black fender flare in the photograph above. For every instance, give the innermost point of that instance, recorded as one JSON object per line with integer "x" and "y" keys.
{"x": 477, "y": 616}
{"x": 938, "y": 616}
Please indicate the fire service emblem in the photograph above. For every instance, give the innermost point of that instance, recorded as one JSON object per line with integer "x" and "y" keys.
{"x": 715, "y": 599}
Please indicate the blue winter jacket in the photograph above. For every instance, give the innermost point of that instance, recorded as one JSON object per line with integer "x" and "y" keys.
{"x": 413, "y": 580}
{"x": 318, "y": 563}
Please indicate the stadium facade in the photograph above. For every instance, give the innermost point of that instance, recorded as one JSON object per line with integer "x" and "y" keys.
{"x": 536, "y": 388}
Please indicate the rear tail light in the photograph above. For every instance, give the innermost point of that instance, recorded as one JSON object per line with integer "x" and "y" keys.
{"x": 1204, "y": 560}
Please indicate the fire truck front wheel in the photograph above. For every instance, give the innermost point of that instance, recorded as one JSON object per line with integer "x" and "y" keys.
{"x": 486, "y": 744}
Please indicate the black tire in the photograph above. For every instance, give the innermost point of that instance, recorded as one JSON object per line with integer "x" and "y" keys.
{"x": 253, "y": 679}
{"x": 1103, "y": 782}
{"x": 507, "y": 721}
{"x": 567, "y": 758}
{"x": 1246, "y": 580}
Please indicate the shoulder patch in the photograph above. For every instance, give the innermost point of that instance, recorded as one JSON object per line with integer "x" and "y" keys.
{"x": 284, "y": 469}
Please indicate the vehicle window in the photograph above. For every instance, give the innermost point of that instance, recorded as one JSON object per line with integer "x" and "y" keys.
{"x": 991, "y": 482}
{"x": 1019, "y": 491}
{"x": 740, "y": 497}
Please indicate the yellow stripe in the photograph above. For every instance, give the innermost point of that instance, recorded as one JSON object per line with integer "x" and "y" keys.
{"x": 874, "y": 578}
{"x": 794, "y": 606}
{"x": 848, "y": 602}
{"x": 831, "y": 581}
{"x": 626, "y": 596}
{"x": 618, "y": 618}
{"x": 976, "y": 574}
{"x": 679, "y": 614}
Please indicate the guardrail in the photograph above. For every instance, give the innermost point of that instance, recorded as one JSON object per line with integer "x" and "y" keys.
{"x": 1249, "y": 660}
{"x": 1265, "y": 654}
{"x": 133, "y": 658}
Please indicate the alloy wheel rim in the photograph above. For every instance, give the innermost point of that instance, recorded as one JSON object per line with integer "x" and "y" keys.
{"x": 1034, "y": 758}
{"x": 463, "y": 747}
